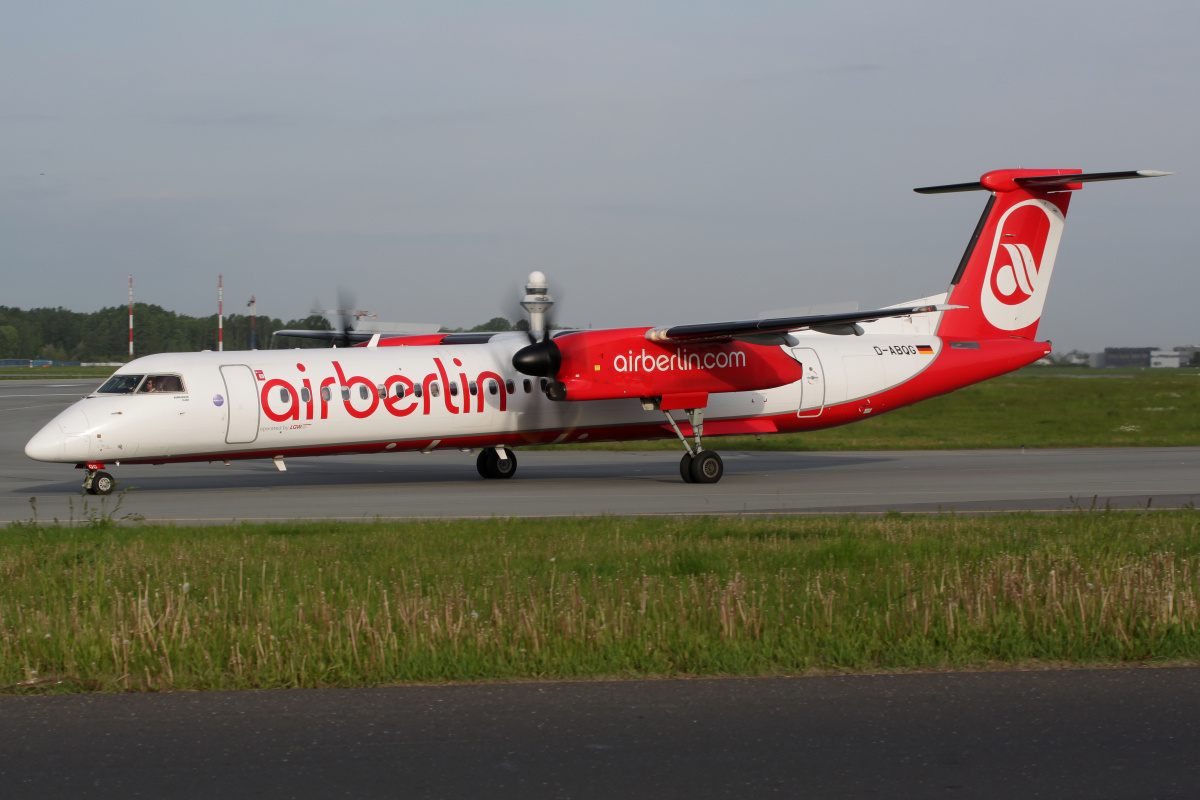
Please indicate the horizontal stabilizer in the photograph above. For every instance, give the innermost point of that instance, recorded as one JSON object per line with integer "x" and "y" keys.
{"x": 1052, "y": 182}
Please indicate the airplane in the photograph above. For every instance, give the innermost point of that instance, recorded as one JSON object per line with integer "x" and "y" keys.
{"x": 492, "y": 392}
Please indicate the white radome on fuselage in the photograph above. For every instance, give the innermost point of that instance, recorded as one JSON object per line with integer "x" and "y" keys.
{"x": 196, "y": 422}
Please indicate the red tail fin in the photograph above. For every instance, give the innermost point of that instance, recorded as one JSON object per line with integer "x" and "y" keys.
{"x": 1005, "y": 273}
{"x": 1004, "y": 276}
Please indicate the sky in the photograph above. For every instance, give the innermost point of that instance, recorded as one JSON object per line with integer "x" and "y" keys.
{"x": 661, "y": 162}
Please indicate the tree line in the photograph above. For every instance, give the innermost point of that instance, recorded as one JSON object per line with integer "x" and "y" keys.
{"x": 63, "y": 335}
{"x": 59, "y": 334}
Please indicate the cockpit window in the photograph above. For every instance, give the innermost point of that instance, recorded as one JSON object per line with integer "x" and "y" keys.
{"x": 161, "y": 384}
{"x": 120, "y": 384}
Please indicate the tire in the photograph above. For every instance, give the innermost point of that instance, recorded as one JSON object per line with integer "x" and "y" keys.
{"x": 502, "y": 467}
{"x": 481, "y": 463}
{"x": 102, "y": 483}
{"x": 685, "y": 468}
{"x": 707, "y": 467}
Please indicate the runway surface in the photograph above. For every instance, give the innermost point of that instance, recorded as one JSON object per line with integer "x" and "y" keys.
{"x": 1130, "y": 733}
{"x": 570, "y": 483}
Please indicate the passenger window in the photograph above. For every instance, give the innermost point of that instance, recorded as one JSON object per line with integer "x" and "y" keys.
{"x": 285, "y": 396}
{"x": 474, "y": 389}
{"x": 527, "y": 385}
{"x": 510, "y": 386}
{"x": 345, "y": 392}
{"x": 326, "y": 395}
{"x": 434, "y": 390}
{"x": 382, "y": 390}
{"x": 417, "y": 389}
{"x": 305, "y": 394}
{"x": 492, "y": 387}
{"x": 400, "y": 390}
{"x": 453, "y": 388}
{"x": 362, "y": 391}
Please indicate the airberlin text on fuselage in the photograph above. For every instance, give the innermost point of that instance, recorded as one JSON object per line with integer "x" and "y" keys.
{"x": 679, "y": 360}
{"x": 283, "y": 401}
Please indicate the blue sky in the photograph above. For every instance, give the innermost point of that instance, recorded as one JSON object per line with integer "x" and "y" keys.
{"x": 661, "y": 162}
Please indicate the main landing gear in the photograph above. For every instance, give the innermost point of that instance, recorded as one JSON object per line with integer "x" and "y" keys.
{"x": 698, "y": 465}
{"x": 496, "y": 462}
{"x": 98, "y": 482}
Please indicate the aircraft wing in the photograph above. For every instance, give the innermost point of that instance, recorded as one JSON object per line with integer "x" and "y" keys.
{"x": 328, "y": 336}
{"x": 775, "y": 331}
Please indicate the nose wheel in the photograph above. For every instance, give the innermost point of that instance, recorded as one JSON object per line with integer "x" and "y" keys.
{"x": 697, "y": 465}
{"x": 98, "y": 482}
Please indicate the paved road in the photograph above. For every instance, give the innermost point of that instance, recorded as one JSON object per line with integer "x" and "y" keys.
{"x": 445, "y": 484}
{"x": 1131, "y": 733}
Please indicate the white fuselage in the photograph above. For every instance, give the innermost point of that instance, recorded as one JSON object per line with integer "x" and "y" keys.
{"x": 268, "y": 403}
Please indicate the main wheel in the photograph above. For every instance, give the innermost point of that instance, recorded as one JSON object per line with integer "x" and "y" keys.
{"x": 102, "y": 483}
{"x": 707, "y": 467}
{"x": 502, "y": 467}
{"x": 685, "y": 468}
{"x": 481, "y": 463}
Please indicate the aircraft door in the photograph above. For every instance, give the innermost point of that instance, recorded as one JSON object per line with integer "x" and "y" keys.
{"x": 241, "y": 398}
{"x": 812, "y": 385}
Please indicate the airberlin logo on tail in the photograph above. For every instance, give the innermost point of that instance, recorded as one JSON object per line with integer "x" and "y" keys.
{"x": 1022, "y": 260}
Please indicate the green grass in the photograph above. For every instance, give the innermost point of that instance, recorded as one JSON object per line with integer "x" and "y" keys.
{"x": 1035, "y": 407}
{"x": 328, "y": 604}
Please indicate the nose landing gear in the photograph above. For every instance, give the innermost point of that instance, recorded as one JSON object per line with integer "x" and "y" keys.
{"x": 98, "y": 482}
{"x": 697, "y": 465}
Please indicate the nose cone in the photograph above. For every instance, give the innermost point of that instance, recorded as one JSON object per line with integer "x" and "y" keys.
{"x": 64, "y": 438}
{"x": 46, "y": 444}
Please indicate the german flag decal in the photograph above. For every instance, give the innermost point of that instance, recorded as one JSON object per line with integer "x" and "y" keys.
{"x": 925, "y": 349}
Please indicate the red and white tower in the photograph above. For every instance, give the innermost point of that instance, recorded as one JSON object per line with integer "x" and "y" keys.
{"x": 220, "y": 313}
{"x": 131, "y": 316}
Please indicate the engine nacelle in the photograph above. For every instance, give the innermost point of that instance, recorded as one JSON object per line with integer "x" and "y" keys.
{"x": 606, "y": 365}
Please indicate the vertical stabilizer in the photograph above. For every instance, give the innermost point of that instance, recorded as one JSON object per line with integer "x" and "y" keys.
{"x": 1005, "y": 273}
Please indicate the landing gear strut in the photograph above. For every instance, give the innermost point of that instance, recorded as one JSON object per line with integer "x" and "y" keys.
{"x": 98, "y": 482}
{"x": 496, "y": 462}
{"x": 697, "y": 465}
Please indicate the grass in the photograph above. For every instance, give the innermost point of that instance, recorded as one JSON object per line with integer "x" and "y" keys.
{"x": 1034, "y": 407}
{"x": 327, "y": 604}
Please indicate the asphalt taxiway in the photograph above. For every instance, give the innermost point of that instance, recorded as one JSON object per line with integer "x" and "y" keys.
{"x": 445, "y": 484}
{"x": 1129, "y": 733}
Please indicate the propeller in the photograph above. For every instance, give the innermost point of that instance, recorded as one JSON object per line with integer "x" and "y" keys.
{"x": 343, "y": 317}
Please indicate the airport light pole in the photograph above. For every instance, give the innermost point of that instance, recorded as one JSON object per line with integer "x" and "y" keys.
{"x": 253, "y": 333}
